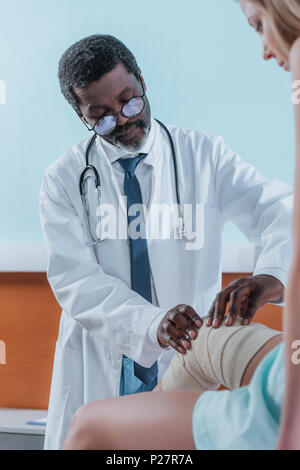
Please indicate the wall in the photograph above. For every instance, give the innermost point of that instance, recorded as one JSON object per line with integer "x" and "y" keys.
{"x": 29, "y": 318}
{"x": 203, "y": 68}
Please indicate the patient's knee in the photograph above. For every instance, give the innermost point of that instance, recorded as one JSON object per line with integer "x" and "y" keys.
{"x": 82, "y": 434}
{"x": 75, "y": 439}
{"x": 231, "y": 350}
{"x": 218, "y": 356}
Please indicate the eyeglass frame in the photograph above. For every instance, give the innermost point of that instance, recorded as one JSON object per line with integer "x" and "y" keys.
{"x": 118, "y": 112}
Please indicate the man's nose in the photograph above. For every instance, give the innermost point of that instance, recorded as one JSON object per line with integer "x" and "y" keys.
{"x": 121, "y": 120}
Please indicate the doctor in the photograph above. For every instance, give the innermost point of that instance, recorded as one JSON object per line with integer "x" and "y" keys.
{"x": 119, "y": 328}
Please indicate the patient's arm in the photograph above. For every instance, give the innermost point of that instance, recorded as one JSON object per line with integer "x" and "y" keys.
{"x": 227, "y": 355}
{"x": 295, "y": 65}
{"x": 290, "y": 428}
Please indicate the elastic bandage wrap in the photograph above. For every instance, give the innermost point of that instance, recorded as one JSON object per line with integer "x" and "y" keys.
{"x": 217, "y": 357}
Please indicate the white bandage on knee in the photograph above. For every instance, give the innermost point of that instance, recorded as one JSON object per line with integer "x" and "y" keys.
{"x": 217, "y": 356}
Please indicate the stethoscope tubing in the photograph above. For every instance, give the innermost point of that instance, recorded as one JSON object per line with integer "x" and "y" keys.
{"x": 91, "y": 168}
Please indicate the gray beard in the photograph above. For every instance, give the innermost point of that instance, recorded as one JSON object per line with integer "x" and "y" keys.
{"x": 135, "y": 147}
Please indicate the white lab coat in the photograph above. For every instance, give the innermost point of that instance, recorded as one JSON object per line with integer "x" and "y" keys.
{"x": 102, "y": 318}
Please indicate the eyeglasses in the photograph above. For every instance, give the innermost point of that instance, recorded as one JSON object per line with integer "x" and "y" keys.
{"x": 131, "y": 108}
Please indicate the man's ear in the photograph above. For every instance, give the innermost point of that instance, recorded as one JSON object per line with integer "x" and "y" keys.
{"x": 79, "y": 113}
{"x": 143, "y": 81}
{"x": 81, "y": 116}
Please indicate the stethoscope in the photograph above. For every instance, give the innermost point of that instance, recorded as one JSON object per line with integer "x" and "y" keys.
{"x": 91, "y": 169}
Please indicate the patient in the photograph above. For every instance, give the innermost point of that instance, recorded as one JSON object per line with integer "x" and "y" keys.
{"x": 189, "y": 412}
{"x": 227, "y": 355}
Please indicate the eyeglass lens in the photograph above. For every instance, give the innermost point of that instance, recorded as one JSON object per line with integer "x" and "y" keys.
{"x": 130, "y": 109}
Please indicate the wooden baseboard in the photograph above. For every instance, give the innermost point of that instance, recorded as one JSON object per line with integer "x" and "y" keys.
{"x": 29, "y": 321}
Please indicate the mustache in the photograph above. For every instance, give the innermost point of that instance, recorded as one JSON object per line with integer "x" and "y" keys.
{"x": 122, "y": 129}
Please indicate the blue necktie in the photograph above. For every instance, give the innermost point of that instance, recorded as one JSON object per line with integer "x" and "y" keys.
{"x": 140, "y": 266}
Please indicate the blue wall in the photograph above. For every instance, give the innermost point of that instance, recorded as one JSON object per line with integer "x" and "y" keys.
{"x": 203, "y": 68}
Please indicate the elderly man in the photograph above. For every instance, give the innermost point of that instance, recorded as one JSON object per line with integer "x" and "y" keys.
{"x": 119, "y": 328}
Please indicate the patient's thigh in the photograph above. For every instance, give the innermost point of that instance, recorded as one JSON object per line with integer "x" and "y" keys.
{"x": 155, "y": 421}
{"x": 260, "y": 355}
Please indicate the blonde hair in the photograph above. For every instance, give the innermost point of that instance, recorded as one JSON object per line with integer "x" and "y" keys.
{"x": 285, "y": 17}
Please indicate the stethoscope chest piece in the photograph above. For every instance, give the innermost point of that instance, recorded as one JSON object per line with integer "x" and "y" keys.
{"x": 181, "y": 230}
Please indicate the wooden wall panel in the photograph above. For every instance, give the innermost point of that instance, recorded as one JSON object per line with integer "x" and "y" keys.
{"x": 29, "y": 320}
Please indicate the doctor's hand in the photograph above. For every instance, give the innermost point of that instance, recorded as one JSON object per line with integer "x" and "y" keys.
{"x": 177, "y": 327}
{"x": 245, "y": 296}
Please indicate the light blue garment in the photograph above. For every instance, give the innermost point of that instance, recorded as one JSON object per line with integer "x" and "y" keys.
{"x": 246, "y": 418}
{"x": 129, "y": 382}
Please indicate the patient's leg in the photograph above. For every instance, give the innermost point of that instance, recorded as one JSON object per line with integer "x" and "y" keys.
{"x": 164, "y": 420}
{"x": 227, "y": 355}
{"x": 156, "y": 421}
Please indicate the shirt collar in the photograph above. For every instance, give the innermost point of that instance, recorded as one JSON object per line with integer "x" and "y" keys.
{"x": 113, "y": 153}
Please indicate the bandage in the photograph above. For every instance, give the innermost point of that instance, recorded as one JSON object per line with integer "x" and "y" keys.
{"x": 217, "y": 356}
